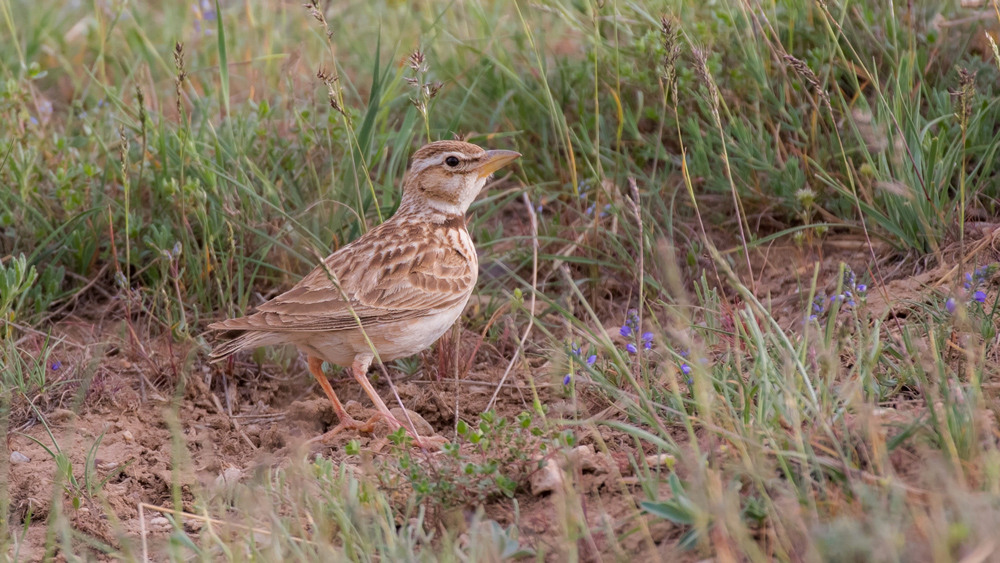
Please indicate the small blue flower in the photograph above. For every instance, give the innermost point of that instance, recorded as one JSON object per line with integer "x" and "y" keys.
{"x": 56, "y": 365}
{"x": 862, "y": 288}
{"x": 626, "y": 331}
{"x": 34, "y": 121}
{"x": 631, "y": 348}
{"x": 590, "y": 210}
{"x": 686, "y": 369}
{"x": 566, "y": 379}
{"x": 647, "y": 345}
{"x": 950, "y": 304}
{"x": 690, "y": 381}
{"x": 100, "y": 103}
{"x": 968, "y": 277}
{"x": 647, "y": 337}
{"x": 574, "y": 349}
{"x": 979, "y": 296}
{"x": 851, "y": 303}
{"x": 591, "y": 359}
{"x": 812, "y": 317}
{"x": 683, "y": 353}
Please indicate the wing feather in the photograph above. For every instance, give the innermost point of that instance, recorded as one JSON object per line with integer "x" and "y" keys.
{"x": 395, "y": 272}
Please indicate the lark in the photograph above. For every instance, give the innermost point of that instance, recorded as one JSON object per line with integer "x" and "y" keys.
{"x": 394, "y": 291}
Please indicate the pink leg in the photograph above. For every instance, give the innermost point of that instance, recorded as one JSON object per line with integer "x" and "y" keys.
{"x": 360, "y": 371}
{"x": 346, "y": 421}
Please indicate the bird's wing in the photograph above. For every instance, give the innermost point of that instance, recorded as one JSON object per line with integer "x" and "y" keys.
{"x": 390, "y": 274}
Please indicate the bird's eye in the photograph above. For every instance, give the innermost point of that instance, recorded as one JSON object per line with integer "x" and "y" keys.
{"x": 451, "y": 161}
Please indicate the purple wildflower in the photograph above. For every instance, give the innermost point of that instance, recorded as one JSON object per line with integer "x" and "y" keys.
{"x": 56, "y": 365}
{"x": 979, "y": 296}
{"x": 567, "y": 379}
{"x": 591, "y": 359}
{"x": 950, "y": 304}
{"x": 686, "y": 369}
{"x": 631, "y": 348}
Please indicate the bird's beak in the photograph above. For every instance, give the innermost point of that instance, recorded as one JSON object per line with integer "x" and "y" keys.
{"x": 495, "y": 160}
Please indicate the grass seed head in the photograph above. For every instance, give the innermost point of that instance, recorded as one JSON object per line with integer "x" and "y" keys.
{"x": 966, "y": 94}
{"x": 671, "y": 52}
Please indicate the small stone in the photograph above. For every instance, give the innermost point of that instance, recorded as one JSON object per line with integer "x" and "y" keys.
{"x": 662, "y": 459}
{"x": 18, "y": 457}
{"x": 159, "y": 522}
{"x": 229, "y": 477}
{"x": 127, "y": 436}
{"x": 546, "y": 479}
{"x": 422, "y": 426}
{"x": 582, "y": 456}
{"x": 106, "y": 465}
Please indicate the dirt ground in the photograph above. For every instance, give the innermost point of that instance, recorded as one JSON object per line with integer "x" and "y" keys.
{"x": 241, "y": 416}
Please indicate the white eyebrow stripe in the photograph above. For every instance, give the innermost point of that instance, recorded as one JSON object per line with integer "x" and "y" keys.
{"x": 439, "y": 159}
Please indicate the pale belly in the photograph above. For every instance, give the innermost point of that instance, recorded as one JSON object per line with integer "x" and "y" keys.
{"x": 392, "y": 340}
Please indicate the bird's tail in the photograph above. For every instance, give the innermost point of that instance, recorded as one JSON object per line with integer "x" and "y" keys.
{"x": 249, "y": 339}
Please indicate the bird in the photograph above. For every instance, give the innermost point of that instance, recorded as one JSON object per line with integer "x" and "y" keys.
{"x": 391, "y": 292}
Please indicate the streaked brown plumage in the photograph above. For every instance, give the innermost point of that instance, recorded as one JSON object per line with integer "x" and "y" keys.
{"x": 405, "y": 282}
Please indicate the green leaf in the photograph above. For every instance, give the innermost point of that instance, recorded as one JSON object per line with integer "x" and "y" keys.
{"x": 352, "y": 448}
{"x": 223, "y": 61}
{"x": 669, "y": 510}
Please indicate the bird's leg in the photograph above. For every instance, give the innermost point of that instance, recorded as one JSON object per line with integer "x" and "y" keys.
{"x": 360, "y": 371}
{"x": 346, "y": 421}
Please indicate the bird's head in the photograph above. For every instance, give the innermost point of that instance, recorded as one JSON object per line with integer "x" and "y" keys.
{"x": 446, "y": 176}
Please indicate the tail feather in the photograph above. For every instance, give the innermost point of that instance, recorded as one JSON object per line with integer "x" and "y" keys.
{"x": 250, "y": 339}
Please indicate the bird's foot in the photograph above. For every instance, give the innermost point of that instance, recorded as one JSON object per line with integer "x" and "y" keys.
{"x": 430, "y": 443}
{"x": 348, "y": 423}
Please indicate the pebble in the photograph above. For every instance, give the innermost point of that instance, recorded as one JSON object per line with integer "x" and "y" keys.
{"x": 159, "y": 522}
{"x": 662, "y": 459}
{"x": 127, "y": 436}
{"x": 546, "y": 479}
{"x": 230, "y": 476}
{"x": 423, "y": 427}
{"x": 18, "y": 457}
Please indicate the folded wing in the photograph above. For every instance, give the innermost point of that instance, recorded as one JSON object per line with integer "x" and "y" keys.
{"x": 394, "y": 275}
